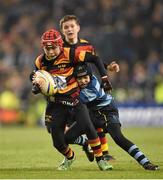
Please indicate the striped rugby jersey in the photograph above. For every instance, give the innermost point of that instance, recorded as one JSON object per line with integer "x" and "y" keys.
{"x": 61, "y": 66}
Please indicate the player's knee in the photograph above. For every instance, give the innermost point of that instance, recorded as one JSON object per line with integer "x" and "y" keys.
{"x": 59, "y": 147}
{"x": 90, "y": 131}
{"x": 117, "y": 139}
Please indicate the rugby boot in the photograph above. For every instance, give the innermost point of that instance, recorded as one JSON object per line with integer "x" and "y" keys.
{"x": 66, "y": 164}
{"x": 150, "y": 166}
{"x": 104, "y": 165}
{"x": 108, "y": 157}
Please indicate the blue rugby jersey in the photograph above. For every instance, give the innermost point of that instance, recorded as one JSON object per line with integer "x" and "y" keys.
{"x": 93, "y": 93}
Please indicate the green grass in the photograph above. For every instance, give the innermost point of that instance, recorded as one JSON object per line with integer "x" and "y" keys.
{"x": 27, "y": 153}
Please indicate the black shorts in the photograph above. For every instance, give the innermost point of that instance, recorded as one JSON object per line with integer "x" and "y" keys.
{"x": 57, "y": 117}
{"x": 105, "y": 116}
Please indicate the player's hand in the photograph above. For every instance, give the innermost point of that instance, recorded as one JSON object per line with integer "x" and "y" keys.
{"x": 113, "y": 67}
{"x": 32, "y": 76}
{"x": 36, "y": 89}
{"x": 106, "y": 84}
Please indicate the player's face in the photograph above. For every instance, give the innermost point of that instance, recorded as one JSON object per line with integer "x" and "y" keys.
{"x": 70, "y": 30}
{"x": 51, "y": 51}
{"x": 83, "y": 81}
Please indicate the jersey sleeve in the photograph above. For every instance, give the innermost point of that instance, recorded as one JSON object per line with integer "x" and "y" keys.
{"x": 96, "y": 87}
{"x": 38, "y": 62}
{"x": 86, "y": 53}
{"x": 84, "y": 48}
{"x": 92, "y": 58}
{"x": 36, "y": 66}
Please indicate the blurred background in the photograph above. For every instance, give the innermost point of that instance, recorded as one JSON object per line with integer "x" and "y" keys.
{"x": 128, "y": 31}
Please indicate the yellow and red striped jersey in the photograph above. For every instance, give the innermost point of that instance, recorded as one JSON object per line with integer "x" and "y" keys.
{"x": 61, "y": 66}
{"x": 84, "y": 51}
{"x": 80, "y": 49}
{"x": 64, "y": 64}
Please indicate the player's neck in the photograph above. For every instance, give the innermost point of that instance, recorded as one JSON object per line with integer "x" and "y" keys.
{"x": 72, "y": 41}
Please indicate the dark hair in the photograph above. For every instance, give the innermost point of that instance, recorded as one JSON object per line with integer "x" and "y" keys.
{"x": 67, "y": 18}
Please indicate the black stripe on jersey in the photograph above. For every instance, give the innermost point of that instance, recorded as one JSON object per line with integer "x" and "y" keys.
{"x": 59, "y": 66}
{"x": 84, "y": 44}
{"x": 72, "y": 56}
{"x": 44, "y": 62}
{"x": 79, "y": 43}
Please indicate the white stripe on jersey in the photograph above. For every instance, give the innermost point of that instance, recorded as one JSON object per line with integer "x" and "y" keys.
{"x": 94, "y": 92}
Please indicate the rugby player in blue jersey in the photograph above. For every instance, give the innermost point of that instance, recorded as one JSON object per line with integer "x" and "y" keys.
{"x": 104, "y": 113}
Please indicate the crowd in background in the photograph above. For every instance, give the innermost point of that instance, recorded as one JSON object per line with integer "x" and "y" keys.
{"x": 128, "y": 31}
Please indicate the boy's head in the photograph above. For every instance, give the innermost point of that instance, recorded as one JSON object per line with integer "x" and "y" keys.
{"x": 70, "y": 28}
{"x": 52, "y": 43}
{"x": 83, "y": 75}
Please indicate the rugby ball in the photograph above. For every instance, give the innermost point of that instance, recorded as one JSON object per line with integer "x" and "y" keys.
{"x": 47, "y": 82}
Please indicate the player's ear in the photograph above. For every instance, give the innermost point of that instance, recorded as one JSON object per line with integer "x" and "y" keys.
{"x": 78, "y": 28}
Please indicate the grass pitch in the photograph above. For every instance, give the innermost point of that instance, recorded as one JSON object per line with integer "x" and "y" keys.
{"x": 27, "y": 153}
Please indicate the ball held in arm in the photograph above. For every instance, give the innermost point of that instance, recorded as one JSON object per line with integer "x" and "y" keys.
{"x": 46, "y": 82}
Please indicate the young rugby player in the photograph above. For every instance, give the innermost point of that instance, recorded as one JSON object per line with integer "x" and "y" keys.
{"x": 70, "y": 28}
{"x": 58, "y": 61}
{"x": 104, "y": 113}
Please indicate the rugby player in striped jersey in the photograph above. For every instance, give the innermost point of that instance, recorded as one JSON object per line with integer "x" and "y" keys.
{"x": 57, "y": 60}
{"x": 70, "y": 28}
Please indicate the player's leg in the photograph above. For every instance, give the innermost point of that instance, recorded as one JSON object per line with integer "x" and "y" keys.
{"x": 114, "y": 129}
{"x": 84, "y": 125}
{"x": 104, "y": 144}
{"x": 81, "y": 140}
{"x": 55, "y": 122}
{"x": 99, "y": 121}
{"x": 129, "y": 147}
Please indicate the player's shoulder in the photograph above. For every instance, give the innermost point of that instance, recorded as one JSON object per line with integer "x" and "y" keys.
{"x": 84, "y": 41}
{"x": 39, "y": 59}
{"x": 94, "y": 80}
{"x": 66, "y": 52}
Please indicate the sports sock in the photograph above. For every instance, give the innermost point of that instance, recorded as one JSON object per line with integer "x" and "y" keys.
{"x": 81, "y": 140}
{"x": 103, "y": 140}
{"x": 137, "y": 155}
{"x": 68, "y": 153}
{"x": 96, "y": 147}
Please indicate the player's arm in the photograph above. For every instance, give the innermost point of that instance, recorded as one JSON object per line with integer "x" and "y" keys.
{"x": 36, "y": 89}
{"x": 32, "y": 75}
{"x": 35, "y": 86}
{"x": 37, "y": 66}
{"x": 89, "y": 57}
